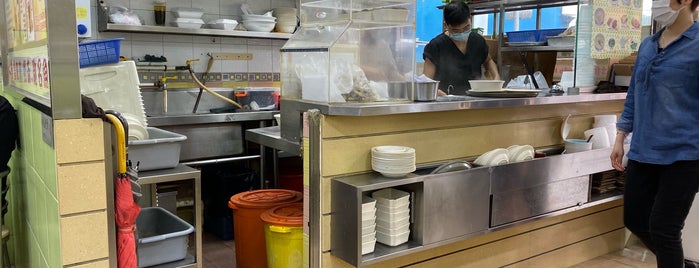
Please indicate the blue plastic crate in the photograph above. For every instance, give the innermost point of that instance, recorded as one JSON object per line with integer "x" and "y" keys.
{"x": 533, "y": 35}
{"x": 542, "y": 35}
{"x": 99, "y": 52}
{"x": 522, "y": 36}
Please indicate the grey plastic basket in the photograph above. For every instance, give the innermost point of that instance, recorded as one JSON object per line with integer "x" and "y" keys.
{"x": 162, "y": 237}
{"x": 161, "y": 150}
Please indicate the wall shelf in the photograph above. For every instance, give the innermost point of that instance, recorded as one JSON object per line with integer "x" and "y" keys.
{"x": 103, "y": 25}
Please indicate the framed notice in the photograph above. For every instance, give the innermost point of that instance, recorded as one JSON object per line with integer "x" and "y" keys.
{"x": 27, "y": 64}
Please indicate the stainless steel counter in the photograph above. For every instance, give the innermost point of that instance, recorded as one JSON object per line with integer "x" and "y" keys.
{"x": 271, "y": 137}
{"x": 384, "y": 108}
{"x": 189, "y": 119}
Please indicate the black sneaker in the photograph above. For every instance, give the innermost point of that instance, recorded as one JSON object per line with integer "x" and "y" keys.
{"x": 690, "y": 264}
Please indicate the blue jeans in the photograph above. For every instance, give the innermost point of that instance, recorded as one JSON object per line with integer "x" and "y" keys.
{"x": 657, "y": 199}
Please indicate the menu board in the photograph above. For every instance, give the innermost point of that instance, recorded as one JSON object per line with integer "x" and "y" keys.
{"x": 28, "y": 70}
{"x": 25, "y": 21}
{"x": 27, "y": 49}
{"x": 616, "y": 28}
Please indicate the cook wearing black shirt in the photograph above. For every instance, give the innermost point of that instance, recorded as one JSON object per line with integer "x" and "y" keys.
{"x": 456, "y": 56}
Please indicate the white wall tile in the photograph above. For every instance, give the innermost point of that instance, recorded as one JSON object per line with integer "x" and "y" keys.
{"x": 209, "y": 6}
{"x": 147, "y": 37}
{"x": 123, "y": 3}
{"x": 259, "y": 42}
{"x": 261, "y": 58}
{"x": 229, "y": 8}
{"x": 275, "y": 58}
{"x": 142, "y": 4}
{"x": 125, "y": 49}
{"x": 140, "y": 48}
{"x": 179, "y": 3}
{"x": 283, "y": 3}
{"x": 175, "y": 38}
{"x": 147, "y": 17}
{"x": 260, "y": 6}
{"x": 234, "y": 41}
{"x": 178, "y": 53}
{"x": 201, "y": 51}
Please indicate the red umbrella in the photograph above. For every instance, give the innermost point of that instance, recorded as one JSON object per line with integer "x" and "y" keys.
{"x": 125, "y": 212}
{"x": 125, "y": 209}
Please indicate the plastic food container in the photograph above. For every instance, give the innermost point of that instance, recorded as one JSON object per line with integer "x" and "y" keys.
{"x": 223, "y": 24}
{"x": 284, "y": 235}
{"x": 392, "y": 240}
{"x": 162, "y": 237}
{"x": 368, "y": 246}
{"x": 258, "y": 98}
{"x": 189, "y": 23}
{"x": 391, "y": 198}
{"x": 189, "y": 13}
{"x": 161, "y": 150}
{"x": 392, "y": 215}
{"x": 99, "y": 52}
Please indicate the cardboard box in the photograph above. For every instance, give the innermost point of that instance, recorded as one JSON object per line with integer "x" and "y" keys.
{"x": 623, "y": 69}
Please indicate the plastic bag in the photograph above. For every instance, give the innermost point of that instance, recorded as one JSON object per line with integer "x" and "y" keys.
{"x": 524, "y": 81}
{"x": 122, "y": 15}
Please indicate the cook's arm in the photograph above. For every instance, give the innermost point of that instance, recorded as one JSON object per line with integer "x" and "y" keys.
{"x": 492, "y": 68}
{"x": 429, "y": 70}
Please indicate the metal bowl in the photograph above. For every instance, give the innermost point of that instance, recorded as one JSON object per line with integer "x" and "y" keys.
{"x": 400, "y": 90}
{"x": 425, "y": 91}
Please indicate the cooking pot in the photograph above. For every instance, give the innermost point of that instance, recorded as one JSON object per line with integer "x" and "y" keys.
{"x": 425, "y": 91}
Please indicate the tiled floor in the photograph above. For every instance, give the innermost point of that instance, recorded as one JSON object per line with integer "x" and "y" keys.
{"x": 221, "y": 254}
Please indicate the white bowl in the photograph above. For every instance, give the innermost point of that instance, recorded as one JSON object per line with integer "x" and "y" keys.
{"x": 391, "y": 197}
{"x": 188, "y": 23}
{"x": 259, "y": 26}
{"x": 486, "y": 85}
{"x": 259, "y": 17}
{"x": 286, "y": 28}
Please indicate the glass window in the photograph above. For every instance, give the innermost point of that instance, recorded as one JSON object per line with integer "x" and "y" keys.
{"x": 558, "y": 17}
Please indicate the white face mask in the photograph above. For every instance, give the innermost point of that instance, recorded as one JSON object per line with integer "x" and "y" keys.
{"x": 663, "y": 14}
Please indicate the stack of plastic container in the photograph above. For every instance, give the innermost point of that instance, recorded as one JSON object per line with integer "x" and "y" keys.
{"x": 392, "y": 216}
{"x": 368, "y": 224}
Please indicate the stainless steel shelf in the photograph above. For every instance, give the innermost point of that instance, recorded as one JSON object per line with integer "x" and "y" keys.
{"x": 110, "y": 27}
{"x": 537, "y": 48}
{"x": 271, "y": 137}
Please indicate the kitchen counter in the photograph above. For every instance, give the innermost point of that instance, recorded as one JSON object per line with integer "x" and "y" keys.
{"x": 385, "y": 108}
{"x": 209, "y": 118}
{"x": 271, "y": 137}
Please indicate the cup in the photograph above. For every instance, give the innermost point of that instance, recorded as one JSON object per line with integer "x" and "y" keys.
{"x": 159, "y": 12}
{"x": 600, "y": 138}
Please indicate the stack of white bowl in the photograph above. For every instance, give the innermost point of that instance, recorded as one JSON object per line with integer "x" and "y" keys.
{"x": 286, "y": 19}
{"x": 584, "y": 63}
{"x": 259, "y": 23}
{"x": 519, "y": 153}
{"x": 493, "y": 157}
{"x": 393, "y": 161}
{"x": 392, "y": 216}
{"x": 368, "y": 224}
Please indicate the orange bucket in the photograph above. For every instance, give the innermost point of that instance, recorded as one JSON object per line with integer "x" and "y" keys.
{"x": 248, "y": 228}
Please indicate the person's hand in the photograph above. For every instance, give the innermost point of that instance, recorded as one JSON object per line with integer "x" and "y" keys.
{"x": 617, "y": 155}
{"x": 441, "y": 93}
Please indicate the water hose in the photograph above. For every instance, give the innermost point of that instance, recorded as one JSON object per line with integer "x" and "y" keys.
{"x": 201, "y": 85}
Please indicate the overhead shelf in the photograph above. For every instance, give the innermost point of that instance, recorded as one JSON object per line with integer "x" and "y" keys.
{"x": 537, "y": 48}
{"x": 110, "y": 27}
{"x": 484, "y": 7}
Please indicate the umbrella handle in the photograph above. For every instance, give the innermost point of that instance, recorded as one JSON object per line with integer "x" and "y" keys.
{"x": 121, "y": 142}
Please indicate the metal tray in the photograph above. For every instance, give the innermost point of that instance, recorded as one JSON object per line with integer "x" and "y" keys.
{"x": 524, "y": 44}
{"x": 504, "y": 93}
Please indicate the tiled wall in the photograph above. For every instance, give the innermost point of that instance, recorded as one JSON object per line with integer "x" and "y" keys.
{"x": 33, "y": 217}
{"x": 179, "y": 48}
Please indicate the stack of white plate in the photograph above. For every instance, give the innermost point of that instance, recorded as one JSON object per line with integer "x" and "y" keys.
{"x": 519, "y": 153}
{"x": 286, "y": 19}
{"x": 392, "y": 216}
{"x": 393, "y": 161}
{"x": 493, "y": 158}
{"x": 368, "y": 224}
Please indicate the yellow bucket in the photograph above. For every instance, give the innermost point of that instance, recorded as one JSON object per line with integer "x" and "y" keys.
{"x": 284, "y": 235}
